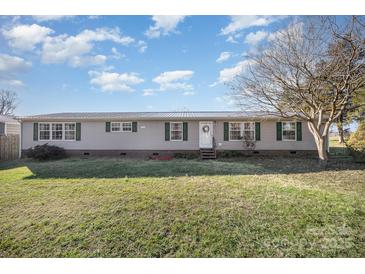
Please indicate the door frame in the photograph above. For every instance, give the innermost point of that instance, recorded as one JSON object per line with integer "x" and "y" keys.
{"x": 211, "y": 126}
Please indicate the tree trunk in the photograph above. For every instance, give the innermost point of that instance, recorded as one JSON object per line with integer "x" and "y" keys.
{"x": 320, "y": 137}
{"x": 322, "y": 150}
{"x": 341, "y": 139}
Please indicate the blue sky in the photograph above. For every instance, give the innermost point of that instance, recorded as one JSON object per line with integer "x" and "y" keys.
{"x": 127, "y": 63}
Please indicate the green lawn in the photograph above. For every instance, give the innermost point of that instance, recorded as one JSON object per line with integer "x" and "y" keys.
{"x": 249, "y": 207}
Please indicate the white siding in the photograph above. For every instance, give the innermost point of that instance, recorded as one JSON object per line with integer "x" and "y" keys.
{"x": 12, "y": 128}
{"x": 268, "y": 139}
{"x": 151, "y": 136}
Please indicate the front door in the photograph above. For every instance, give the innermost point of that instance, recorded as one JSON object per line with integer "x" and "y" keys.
{"x": 206, "y": 134}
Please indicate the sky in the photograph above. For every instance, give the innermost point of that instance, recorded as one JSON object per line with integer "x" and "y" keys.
{"x": 127, "y": 63}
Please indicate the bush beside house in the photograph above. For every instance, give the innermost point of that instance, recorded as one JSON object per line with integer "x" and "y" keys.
{"x": 356, "y": 144}
{"x": 46, "y": 152}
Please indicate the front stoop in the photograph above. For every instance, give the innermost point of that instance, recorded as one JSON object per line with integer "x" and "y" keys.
{"x": 208, "y": 153}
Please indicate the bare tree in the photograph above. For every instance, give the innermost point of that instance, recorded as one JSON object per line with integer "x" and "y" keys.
{"x": 355, "y": 111}
{"x": 308, "y": 71}
{"x": 8, "y": 102}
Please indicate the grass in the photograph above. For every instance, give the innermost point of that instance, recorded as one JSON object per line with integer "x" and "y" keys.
{"x": 248, "y": 207}
{"x": 335, "y": 143}
{"x": 336, "y": 148}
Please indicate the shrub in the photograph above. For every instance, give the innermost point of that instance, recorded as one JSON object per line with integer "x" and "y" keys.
{"x": 356, "y": 144}
{"x": 46, "y": 152}
{"x": 185, "y": 155}
{"x": 231, "y": 154}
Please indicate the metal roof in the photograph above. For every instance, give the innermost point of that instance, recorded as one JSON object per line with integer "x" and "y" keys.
{"x": 190, "y": 115}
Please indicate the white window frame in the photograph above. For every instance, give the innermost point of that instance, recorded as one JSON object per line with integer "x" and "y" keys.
{"x": 50, "y": 132}
{"x": 64, "y": 131}
{"x": 121, "y": 126}
{"x": 229, "y": 131}
{"x": 254, "y": 130}
{"x": 39, "y": 131}
{"x": 111, "y": 127}
{"x": 242, "y": 130}
{"x": 182, "y": 131}
{"x": 282, "y": 131}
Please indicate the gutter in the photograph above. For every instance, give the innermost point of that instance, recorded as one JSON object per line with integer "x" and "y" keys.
{"x": 103, "y": 119}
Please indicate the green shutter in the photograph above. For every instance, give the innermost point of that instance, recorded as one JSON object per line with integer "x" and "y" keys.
{"x": 226, "y": 131}
{"x": 299, "y": 131}
{"x": 134, "y": 126}
{"x": 257, "y": 131}
{"x": 167, "y": 131}
{"x": 185, "y": 131}
{"x": 78, "y": 131}
{"x": 278, "y": 131}
{"x": 35, "y": 131}
{"x": 107, "y": 126}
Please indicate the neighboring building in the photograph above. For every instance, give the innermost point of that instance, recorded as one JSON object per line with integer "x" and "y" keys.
{"x": 9, "y": 126}
{"x": 157, "y": 133}
{"x": 9, "y": 138}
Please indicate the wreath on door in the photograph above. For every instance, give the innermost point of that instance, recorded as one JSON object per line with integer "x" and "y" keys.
{"x": 206, "y": 128}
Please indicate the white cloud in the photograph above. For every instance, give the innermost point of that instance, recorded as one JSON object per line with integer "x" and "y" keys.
{"x": 171, "y": 80}
{"x": 291, "y": 28}
{"x": 75, "y": 50}
{"x": 224, "y": 56}
{"x": 65, "y": 48}
{"x": 82, "y": 61}
{"x": 241, "y": 22}
{"x": 116, "y": 54}
{"x": 113, "y": 81}
{"x": 142, "y": 46}
{"x": 163, "y": 25}
{"x": 226, "y": 99}
{"x": 43, "y": 18}
{"x": 26, "y": 37}
{"x": 10, "y": 63}
{"x": 148, "y": 92}
{"x": 12, "y": 82}
{"x": 231, "y": 39}
{"x": 229, "y": 74}
{"x": 171, "y": 76}
{"x": 10, "y": 66}
{"x": 254, "y": 38}
{"x": 189, "y": 93}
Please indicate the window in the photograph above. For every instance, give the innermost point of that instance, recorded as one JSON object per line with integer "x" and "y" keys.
{"x": 121, "y": 127}
{"x": 44, "y": 131}
{"x": 289, "y": 131}
{"x": 239, "y": 131}
{"x": 127, "y": 126}
{"x": 2, "y": 128}
{"x": 115, "y": 127}
{"x": 70, "y": 131}
{"x": 176, "y": 131}
{"x": 235, "y": 131}
{"x": 249, "y": 131}
{"x": 57, "y": 131}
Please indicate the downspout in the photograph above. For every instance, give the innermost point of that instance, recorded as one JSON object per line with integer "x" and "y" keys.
{"x": 20, "y": 140}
